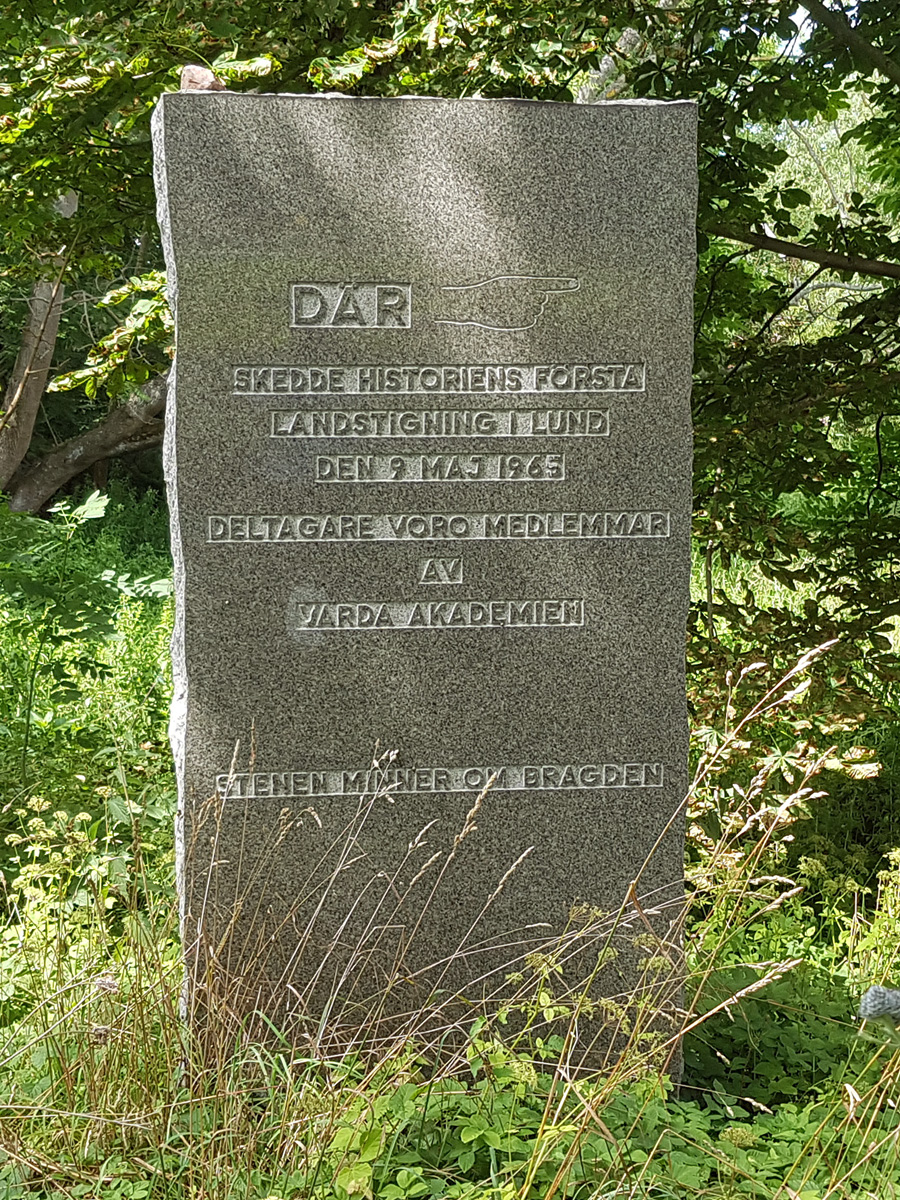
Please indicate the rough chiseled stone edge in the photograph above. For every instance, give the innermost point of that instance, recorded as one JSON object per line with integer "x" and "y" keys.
{"x": 178, "y": 713}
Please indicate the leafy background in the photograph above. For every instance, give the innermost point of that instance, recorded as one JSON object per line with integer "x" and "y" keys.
{"x": 792, "y": 859}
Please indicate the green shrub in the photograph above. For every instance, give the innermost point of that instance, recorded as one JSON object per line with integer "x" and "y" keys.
{"x": 84, "y": 684}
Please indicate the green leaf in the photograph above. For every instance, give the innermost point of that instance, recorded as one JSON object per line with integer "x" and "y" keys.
{"x": 92, "y": 509}
{"x": 247, "y": 68}
{"x": 369, "y": 1145}
{"x": 355, "y": 1180}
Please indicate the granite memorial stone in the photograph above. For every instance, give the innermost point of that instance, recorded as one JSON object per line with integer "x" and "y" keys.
{"x": 428, "y": 455}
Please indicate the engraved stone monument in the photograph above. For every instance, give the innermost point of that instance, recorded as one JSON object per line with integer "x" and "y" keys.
{"x": 428, "y": 452}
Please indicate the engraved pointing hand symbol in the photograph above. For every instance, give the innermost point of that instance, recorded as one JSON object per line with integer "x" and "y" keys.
{"x": 508, "y": 303}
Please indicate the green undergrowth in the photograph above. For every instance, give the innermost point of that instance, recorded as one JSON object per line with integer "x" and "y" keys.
{"x": 103, "y": 1096}
{"x": 85, "y": 622}
{"x": 793, "y": 878}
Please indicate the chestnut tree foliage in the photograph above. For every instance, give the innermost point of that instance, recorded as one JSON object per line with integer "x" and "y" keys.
{"x": 796, "y": 393}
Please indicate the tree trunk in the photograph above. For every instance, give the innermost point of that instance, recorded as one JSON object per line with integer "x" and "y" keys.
{"x": 134, "y": 425}
{"x": 29, "y": 377}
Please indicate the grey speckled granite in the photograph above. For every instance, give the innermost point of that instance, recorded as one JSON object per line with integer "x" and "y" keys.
{"x": 428, "y": 456}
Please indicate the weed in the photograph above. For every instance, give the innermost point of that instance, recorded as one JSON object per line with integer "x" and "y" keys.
{"x": 413, "y": 1093}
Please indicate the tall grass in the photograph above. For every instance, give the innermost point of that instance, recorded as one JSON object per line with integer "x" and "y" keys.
{"x": 110, "y": 1093}
{"x": 356, "y": 978}
{"x": 397, "y": 1089}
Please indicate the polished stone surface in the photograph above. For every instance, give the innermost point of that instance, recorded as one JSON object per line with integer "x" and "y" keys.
{"x": 428, "y": 455}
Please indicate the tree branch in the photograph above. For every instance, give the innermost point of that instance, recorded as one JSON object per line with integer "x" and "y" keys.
{"x": 836, "y": 23}
{"x": 825, "y": 258}
{"x": 132, "y": 426}
{"x": 29, "y": 376}
{"x": 820, "y": 167}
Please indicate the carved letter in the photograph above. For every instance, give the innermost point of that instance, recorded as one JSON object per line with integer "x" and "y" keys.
{"x": 391, "y": 306}
{"x": 348, "y": 311}
{"x": 300, "y": 294}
